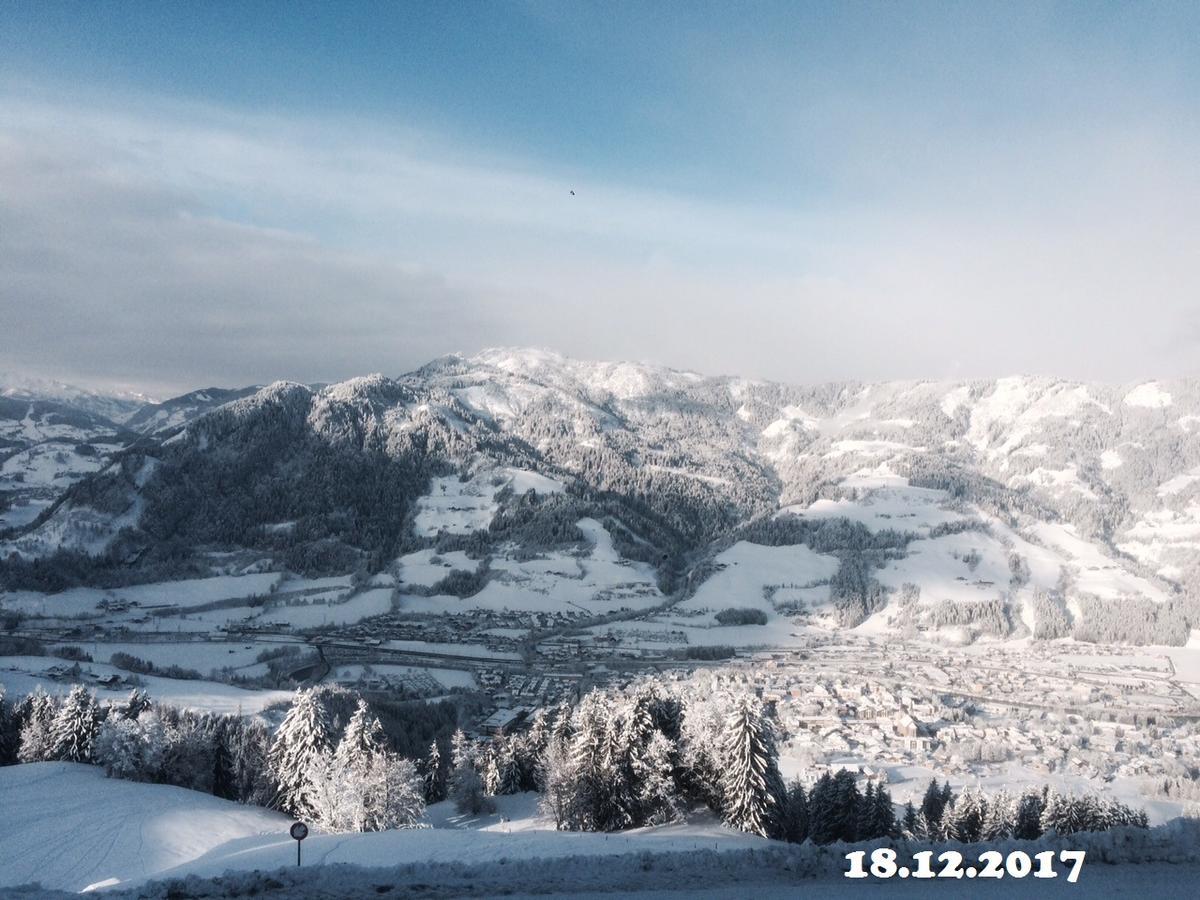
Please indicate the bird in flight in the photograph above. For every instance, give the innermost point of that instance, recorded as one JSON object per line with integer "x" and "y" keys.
{"x": 572, "y": 193}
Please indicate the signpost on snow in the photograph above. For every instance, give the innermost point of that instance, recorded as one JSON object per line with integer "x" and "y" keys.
{"x": 299, "y": 832}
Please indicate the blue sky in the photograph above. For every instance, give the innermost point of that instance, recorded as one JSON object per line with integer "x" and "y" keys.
{"x": 233, "y": 192}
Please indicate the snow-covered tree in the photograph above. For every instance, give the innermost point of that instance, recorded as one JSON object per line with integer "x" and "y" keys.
{"x": 433, "y": 774}
{"x": 1054, "y": 813}
{"x": 1000, "y": 817}
{"x": 700, "y": 763}
{"x": 300, "y": 741}
{"x": 964, "y": 816}
{"x": 73, "y": 734}
{"x": 10, "y": 731}
{"x": 130, "y": 748}
{"x": 750, "y": 783}
{"x": 559, "y": 784}
{"x": 658, "y": 799}
{"x": 249, "y": 743}
{"x": 1027, "y": 824}
{"x": 39, "y": 714}
{"x": 466, "y": 787}
{"x": 395, "y": 794}
{"x": 362, "y": 738}
{"x": 135, "y": 704}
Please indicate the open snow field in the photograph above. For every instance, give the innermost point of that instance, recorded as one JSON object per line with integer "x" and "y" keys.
{"x": 597, "y": 582}
{"x": 460, "y": 507}
{"x": 69, "y": 827}
{"x": 21, "y": 675}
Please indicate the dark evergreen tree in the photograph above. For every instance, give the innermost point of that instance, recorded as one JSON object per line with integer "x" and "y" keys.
{"x": 794, "y": 827}
{"x": 909, "y": 821}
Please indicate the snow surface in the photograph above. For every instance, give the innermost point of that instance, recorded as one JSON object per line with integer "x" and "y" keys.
{"x": 23, "y": 674}
{"x": 67, "y": 826}
{"x": 1149, "y": 396}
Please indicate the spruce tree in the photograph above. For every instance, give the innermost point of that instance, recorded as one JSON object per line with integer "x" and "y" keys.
{"x": 795, "y": 824}
{"x": 39, "y": 715}
{"x": 846, "y": 801}
{"x": 1028, "y": 824}
{"x": 883, "y": 819}
{"x": 434, "y": 775}
{"x": 301, "y": 740}
{"x": 73, "y": 734}
{"x": 362, "y": 738}
{"x": 909, "y": 822}
{"x": 823, "y": 815}
{"x": 933, "y": 803}
{"x": 751, "y": 783}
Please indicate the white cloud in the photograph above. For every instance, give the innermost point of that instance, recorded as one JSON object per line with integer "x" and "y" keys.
{"x": 173, "y": 245}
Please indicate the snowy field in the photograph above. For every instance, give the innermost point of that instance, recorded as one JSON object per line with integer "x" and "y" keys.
{"x": 460, "y": 507}
{"x": 21, "y": 675}
{"x": 70, "y": 828}
{"x": 746, "y": 571}
{"x": 597, "y": 582}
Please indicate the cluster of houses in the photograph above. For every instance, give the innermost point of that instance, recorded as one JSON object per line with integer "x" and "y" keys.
{"x": 894, "y": 706}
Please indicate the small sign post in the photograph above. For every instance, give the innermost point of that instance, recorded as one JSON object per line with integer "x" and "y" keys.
{"x": 299, "y": 832}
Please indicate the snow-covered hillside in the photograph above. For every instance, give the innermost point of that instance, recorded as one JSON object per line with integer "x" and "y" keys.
{"x": 1033, "y": 504}
{"x": 67, "y": 826}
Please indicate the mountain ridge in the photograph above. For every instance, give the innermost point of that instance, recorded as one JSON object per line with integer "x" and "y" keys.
{"x": 681, "y": 463}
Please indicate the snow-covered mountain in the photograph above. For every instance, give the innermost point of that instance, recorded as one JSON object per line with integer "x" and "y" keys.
{"x": 178, "y": 411}
{"x": 996, "y": 506}
{"x": 115, "y": 407}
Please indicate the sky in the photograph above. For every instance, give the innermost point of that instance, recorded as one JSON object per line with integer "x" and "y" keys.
{"x": 230, "y": 193}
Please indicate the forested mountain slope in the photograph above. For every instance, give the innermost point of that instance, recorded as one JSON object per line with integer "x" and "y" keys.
{"x": 1003, "y": 506}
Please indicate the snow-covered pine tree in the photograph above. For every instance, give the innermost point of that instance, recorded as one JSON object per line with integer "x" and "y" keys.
{"x": 1027, "y": 820}
{"x": 999, "y": 820}
{"x": 864, "y": 818}
{"x": 932, "y": 804}
{"x": 750, "y": 784}
{"x": 613, "y": 800}
{"x": 395, "y": 796}
{"x": 73, "y": 734}
{"x": 559, "y": 786}
{"x": 508, "y": 768}
{"x": 249, "y": 744}
{"x": 1054, "y": 817}
{"x": 657, "y": 798}
{"x": 433, "y": 774}
{"x": 301, "y": 739}
{"x": 1092, "y": 814}
{"x": 700, "y": 764}
{"x": 136, "y": 704}
{"x": 963, "y": 818}
{"x": 40, "y": 712}
{"x": 823, "y": 818}
{"x": 362, "y": 738}
{"x": 489, "y": 769}
{"x": 846, "y": 800}
{"x": 10, "y": 731}
{"x": 883, "y": 819}
{"x": 926, "y": 830}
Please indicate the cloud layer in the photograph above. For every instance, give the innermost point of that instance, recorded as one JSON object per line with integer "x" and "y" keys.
{"x": 166, "y": 245}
